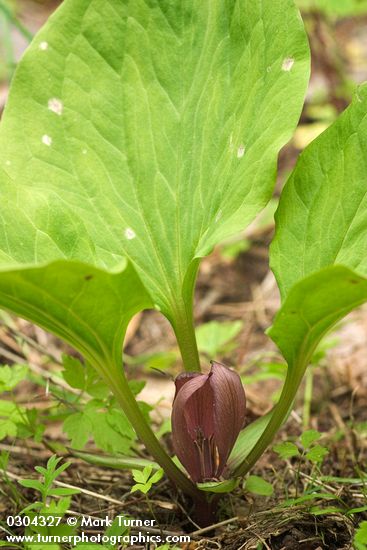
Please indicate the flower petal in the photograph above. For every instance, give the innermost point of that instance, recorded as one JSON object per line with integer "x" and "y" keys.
{"x": 182, "y": 378}
{"x": 193, "y": 426}
{"x": 229, "y": 410}
{"x": 207, "y": 416}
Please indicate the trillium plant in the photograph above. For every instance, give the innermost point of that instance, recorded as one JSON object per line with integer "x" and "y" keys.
{"x": 139, "y": 134}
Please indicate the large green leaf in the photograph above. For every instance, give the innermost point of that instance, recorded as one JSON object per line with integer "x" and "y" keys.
{"x": 321, "y": 219}
{"x": 139, "y": 131}
{"x": 89, "y": 308}
{"x": 84, "y": 305}
{"x": 320, "y": 223}
{"x": 312, "y": 307}
{"x": 148, "y": 130}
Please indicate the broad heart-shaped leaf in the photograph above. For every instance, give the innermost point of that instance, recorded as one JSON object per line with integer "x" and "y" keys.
{"x": 320, "y": 222}
{"x": 86, "y": 306}
{"x": 321, "y": 219}
{"x": 89, "y": 308}
{"x": 312, "y": 307}
{"x": 148, "y": 130}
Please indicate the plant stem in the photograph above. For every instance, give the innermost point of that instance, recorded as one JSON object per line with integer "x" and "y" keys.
{"x": 298, "y": 471}
{"x": 116, "y": 379}
{"x": 186, "y": 338}
{"x": 151, "y": 508}
{"x": 308, "y": 398}
{"x": 205, "y": 512}
{"x": 183, "y": 321}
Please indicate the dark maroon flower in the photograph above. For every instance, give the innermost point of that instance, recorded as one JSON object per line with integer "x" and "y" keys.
{"x": 207, "y": 415}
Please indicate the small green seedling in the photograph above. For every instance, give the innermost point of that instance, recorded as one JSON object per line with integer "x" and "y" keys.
{"x": 286, "y": 450}
{"x": 45, "y": 516}
{"x": 11, "y": 376}
{"x": 145, "y": 479}
{"x": 306, "y": 451}
{"x": 46, "y": 486}
{"x": 310, "y": 450}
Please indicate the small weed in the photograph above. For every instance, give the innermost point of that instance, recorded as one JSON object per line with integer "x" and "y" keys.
{"x": 46, "y": 486}
{"x": 145, "y": 479}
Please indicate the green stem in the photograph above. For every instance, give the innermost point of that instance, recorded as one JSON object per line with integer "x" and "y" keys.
{"x": 298, "y": 471}
{"x": 186, "y": 339}
{"x": 280, "y": 413}
{"x": 308, "y": 398}
{"x": 116, "y": 379}
{"x": 183, "y": 320}
{"x": 150, "y": 508}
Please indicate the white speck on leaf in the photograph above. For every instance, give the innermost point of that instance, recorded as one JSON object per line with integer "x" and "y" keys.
{"x": 130, "y": 233}
{"x": 8, "y": 162}
{"x": 43, "y": 46}
{"x": 84, "y": 151}
{"x": 218, "y": 216}
{"x": 240, "y": 151}
{"x": 56, "y": 106}
{"x": 268, "y": 69}
{"x": 287, "y": 64}
{"x": 47, "y": 140}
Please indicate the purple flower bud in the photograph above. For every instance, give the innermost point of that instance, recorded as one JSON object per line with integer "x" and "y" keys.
{"x": 207, "y": 415}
